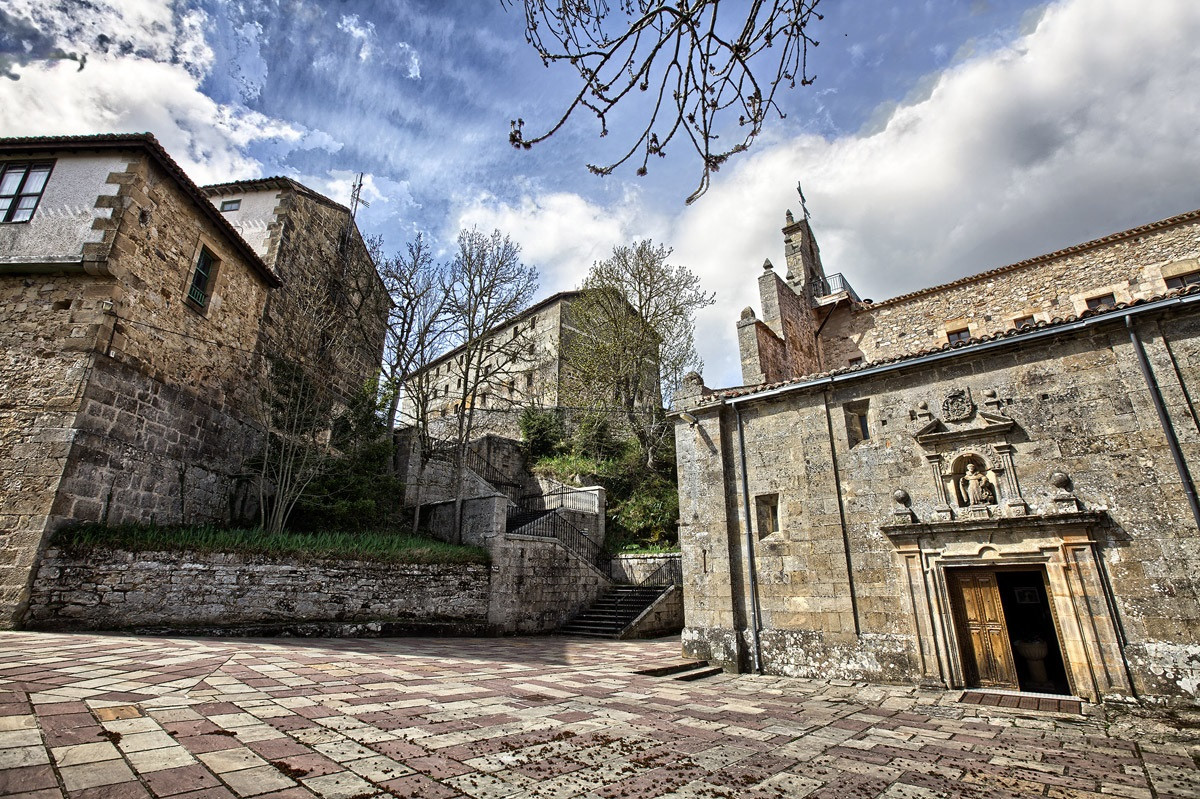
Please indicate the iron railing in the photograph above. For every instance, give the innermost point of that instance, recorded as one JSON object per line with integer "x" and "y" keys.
{"x": 551, "y": 523}
{"x": 565, "y": 497}
{"x": 447, "y": 451}
{"x": 670, "y": 572}
{"x": 836, "y": 284}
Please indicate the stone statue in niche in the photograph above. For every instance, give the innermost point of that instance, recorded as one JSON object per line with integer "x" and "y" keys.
{"x": 976, "y": 488}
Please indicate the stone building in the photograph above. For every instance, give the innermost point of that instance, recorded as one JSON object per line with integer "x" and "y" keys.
{"x": 133, "y": 323}
{"x": 524, "y": 369}
{"x": 981, "y": 484}
{"x": 527, "y": 366}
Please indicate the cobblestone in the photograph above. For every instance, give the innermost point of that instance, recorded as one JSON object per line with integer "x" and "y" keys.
{"x": 113, "y": 716}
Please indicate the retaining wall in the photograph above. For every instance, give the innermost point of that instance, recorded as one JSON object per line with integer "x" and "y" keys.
{"x": 112, "y": 589}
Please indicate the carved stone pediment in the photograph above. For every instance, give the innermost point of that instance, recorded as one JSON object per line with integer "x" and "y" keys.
{"x": 970, "y": 457}
{"x": 987, "y": 426}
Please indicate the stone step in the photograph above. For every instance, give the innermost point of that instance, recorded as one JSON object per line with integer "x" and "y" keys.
{"x": 613, "y": 612}
{"x": 685, "y": 670}
{"x": 700, "y": 674}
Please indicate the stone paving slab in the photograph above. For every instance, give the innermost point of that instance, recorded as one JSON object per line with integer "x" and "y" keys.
{"x": 113, "y": 716}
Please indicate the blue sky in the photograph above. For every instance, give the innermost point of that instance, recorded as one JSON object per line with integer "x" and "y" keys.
{"x": 940, "y": 138}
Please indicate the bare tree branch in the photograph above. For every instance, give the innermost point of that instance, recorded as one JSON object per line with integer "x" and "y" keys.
{"x": 699, "y": 68}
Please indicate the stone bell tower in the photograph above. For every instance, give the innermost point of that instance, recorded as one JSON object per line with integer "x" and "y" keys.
{"x": 782, "y": 344}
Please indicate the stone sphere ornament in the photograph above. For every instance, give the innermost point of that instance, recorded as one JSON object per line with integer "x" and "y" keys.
{"x": 1060, "y": 480}
{"x": 901, "y": 496}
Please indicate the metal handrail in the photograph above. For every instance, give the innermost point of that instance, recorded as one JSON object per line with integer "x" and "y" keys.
{"x": 446, "y": 450}
{"x": 567, "y": 498}
{"x": 552, "y": 524}
{"x": 672, "y": 568}
{"x": 837, "y": 283}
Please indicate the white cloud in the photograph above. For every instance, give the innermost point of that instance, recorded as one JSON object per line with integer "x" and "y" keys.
{"x": 145, "y": 64}
{"x": 1084, "y": 126}
{"x": 561, "y": 233}
{"x": 134, "y": 95}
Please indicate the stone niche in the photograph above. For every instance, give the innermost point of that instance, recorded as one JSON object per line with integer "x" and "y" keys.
{"x": 970, "y": 458}
{"x": 981, "y": 525}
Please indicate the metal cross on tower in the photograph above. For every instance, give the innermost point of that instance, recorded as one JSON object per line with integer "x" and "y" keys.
{"x": 356, "y": 196}
{"x": 803, "y": 202}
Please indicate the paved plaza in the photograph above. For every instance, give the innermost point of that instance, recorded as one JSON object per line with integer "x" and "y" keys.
{"x": 112, "y": 716}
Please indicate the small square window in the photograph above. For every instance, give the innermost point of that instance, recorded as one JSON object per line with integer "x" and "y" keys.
{"x": 767, "y": 510}
{"x": 856, "y": 360}
{"x": 1023, "y": 321}
{"x": 200, "y": 289}
{"x": 1184, "y": 280}
{"x": 21, "y": 187}
{"x": 857, "y": 427}
{"x": 230, "y": 205}
{"x": 955, "y": 336}
{"x": 1103, "y": 302}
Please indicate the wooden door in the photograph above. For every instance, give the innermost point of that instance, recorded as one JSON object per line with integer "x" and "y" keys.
{"x": 982, "y": 632}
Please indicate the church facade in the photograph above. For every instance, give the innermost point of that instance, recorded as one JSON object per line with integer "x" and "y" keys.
{"x": 985, "y": 484}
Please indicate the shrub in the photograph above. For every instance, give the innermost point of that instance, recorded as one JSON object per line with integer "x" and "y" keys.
{"x": 542, "y": 431}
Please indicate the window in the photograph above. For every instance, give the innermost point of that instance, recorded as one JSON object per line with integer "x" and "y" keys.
{"x": 1022, "y": 321}
{"x": 856, "y": 360}
{"x": 1103, "y": 302}
{"x": 955, "y": 336}
{"x": 202, "y": 277}
{"x": 857, "y": 429}
{"x": 230, "y": 205}
{"x": 1184, "y": 280}
{"x": 767, "y": 510}
{"x": 21, "y": 188}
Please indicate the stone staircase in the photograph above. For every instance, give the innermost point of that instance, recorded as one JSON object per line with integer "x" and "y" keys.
{"x": 612, "y": 613}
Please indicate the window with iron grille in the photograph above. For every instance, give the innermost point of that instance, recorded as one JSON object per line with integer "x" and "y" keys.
{"x": 955, "y": 336}
{"x": 1186, "y": 279}
{"x": 199, "y": 290}
{"x": 21, "y": 187}
{"x": 1023, "y": 321}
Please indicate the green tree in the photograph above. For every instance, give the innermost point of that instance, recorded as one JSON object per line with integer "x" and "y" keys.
{"x": 631, "y": 339}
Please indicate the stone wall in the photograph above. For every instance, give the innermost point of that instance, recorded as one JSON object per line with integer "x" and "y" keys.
{"x": 159, "y": 235}
{"x": 1130, "y": 266}
{"x": 332, "y": 306}
{"x": 49, "y": 326}
{"x": 147, "y": 451}
{"x": 482, "y": 518}
{"x": 538, "y": 584}
{"x": 848, "y": 583}
{"x": 632, "y": 569}
{"x": 122, "y": 590}
{"x": 664, "y": 617}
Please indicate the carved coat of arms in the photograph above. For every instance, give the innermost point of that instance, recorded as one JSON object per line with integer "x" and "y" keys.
{"x": 957, "y": 406}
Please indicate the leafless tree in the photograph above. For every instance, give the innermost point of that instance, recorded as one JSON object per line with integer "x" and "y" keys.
{"x": 487, "y": 285}
{"x": 632, "y": 338}
{"x": 297, "y": 404}
{"x": 699, "y": 69}
{"x": 417, "y": 326}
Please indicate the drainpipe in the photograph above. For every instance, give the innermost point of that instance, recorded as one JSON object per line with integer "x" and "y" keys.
{"x": 837, "y": 489}
{"x": 1185, "y": 476}
{"x": 753, "y": 571}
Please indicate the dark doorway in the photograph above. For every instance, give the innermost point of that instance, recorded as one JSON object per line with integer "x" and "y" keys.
{"x": 1031, "y": 632}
